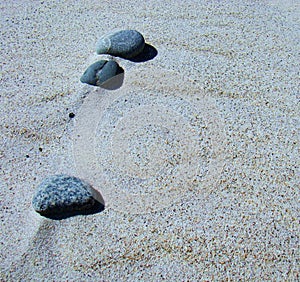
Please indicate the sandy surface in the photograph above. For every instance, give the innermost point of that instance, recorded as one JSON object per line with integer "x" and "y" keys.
{"x": 196, "y": 155}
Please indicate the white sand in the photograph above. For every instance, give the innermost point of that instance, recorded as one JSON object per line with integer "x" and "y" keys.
{"x": 243, "y": 55}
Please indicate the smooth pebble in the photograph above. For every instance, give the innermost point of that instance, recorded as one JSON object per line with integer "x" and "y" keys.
{"x": 125, "y": 43}
{"x": 101, "y": 71}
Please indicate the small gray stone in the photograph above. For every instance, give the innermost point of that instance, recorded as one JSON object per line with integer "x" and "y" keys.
{"x": 60, "y": 196}
{"x": 125, "y": 43}
{"x": 99, "y": 72}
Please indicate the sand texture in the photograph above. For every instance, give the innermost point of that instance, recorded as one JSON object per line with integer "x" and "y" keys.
{"x": 196, "y": 154}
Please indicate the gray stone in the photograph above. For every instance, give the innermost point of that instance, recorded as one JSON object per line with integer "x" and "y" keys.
{"x": 61, "y": 196}
{"x": 99, "y": 72}
{"x": 125, "y": 43}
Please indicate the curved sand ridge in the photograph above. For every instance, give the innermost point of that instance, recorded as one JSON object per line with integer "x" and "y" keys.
{"x": 144, "y": 147}
{"x": 29, "y": 225}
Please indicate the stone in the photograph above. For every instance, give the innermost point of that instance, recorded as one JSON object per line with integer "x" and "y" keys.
{"x": 60, "y": 196}
{"x": 125, "y": 43}
{"x": 101, "y": 71}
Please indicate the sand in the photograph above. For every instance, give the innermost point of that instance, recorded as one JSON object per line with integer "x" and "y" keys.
{"x": 196, "y": 154}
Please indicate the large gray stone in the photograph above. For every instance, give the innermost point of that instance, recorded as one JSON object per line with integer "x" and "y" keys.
{"x": 125, "y": 43}
{"x": 61, "y": 196}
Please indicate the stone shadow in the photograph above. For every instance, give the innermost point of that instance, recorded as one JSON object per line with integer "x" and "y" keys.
{"x": 148, "y": 54}
{"x": 97, "y": 208}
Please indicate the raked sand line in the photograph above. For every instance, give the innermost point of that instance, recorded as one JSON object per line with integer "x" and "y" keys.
{"x": 144, "y": 147}
{"x": 29, "y": 225}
